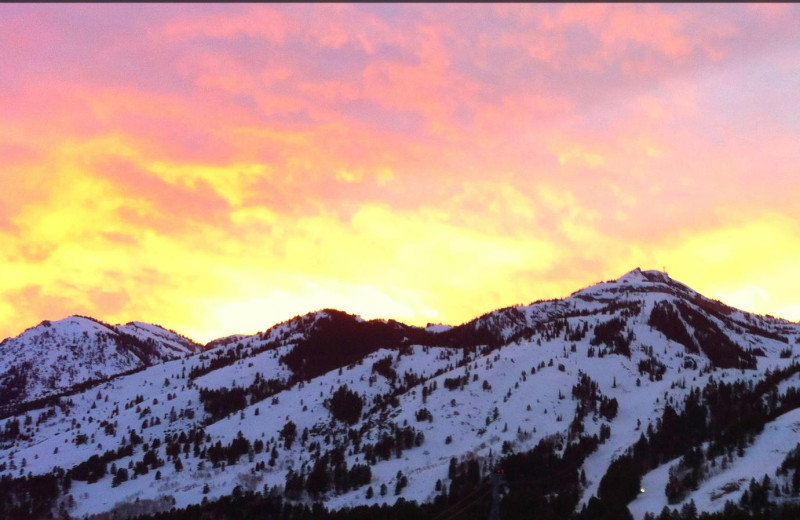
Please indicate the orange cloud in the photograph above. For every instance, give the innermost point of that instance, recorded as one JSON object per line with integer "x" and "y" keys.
{"x": 216, "y": 169}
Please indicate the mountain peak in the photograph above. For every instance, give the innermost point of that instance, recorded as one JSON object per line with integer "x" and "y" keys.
{"x": 56, "y": 355}
{"x": 639, "y": 276}
{"x": 636, "y": 280}
{"x": 532, "y": 380}
{"x": 70, "y": 325}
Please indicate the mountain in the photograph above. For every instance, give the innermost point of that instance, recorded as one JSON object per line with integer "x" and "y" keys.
{"x": 58, "y": 356}
{"x": 621, "y": 399}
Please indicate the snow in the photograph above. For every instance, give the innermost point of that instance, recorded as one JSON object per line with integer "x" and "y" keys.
{"x": 531, "y": 406}
{"x": 242, "y": 372}
{"x": 764, "y": 457}
{"x": 57, "y": 355}
{"x": 437, "y": 328}
{"x": 635, "y": 276}
{"x": 168, "y": 339}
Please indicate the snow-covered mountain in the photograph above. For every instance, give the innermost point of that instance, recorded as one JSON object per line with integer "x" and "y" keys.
{"x": 56, "y": 356}
{"x": 631, "y": 394}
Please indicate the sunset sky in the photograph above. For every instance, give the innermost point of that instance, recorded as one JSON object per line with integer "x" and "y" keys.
{"x": 219, "y": 168}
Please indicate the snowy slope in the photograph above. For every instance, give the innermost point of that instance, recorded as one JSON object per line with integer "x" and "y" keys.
{"x": 170, "y": 343}
{"x": 764, "y": 457}
{"x": 55, "y": 356}
{"x": 503, "y": 381}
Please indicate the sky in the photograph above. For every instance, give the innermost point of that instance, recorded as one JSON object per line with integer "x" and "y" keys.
{"x": 217, "y": 169}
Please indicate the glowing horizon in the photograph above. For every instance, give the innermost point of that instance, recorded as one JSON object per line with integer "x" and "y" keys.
{"x": 217, "y": 169}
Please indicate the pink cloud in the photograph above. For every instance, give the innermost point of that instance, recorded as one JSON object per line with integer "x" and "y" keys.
{"x": 255, "y": 21}
{"x": 168, "y": 208}
{"x": 633, "y": 124}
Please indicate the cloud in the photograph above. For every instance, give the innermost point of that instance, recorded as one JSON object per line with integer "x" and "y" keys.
{"x": 214, "y": 168}
{"x": 256, "y": 21}
{"x": 748, "y": 264}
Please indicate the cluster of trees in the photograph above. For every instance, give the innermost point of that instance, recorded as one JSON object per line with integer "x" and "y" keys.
{"x": 686, "y": 475}
{"x": 384, "y": 367}
{"x": 754, "y": 504}
{"x": 730, "y": 512}
{"x": 654, "y": 368}
{"x": 466, "y": 480}
{"x": 552, "y": 329}
{"x": 288, "y": 434}
{"x": 137, "y": 399}
{"x": 548, "y": 479}
{"x": 726, "y": 416}
{"x": 146, "y": 350}
{"x": 423, "y": 414}
{"x": 14, "y": 383}
{"x": 341, "y": 339}
{"x": 428, "y": 390}
{"x": 184, "y": 442}
{"x": 587, "y": 393}
{"x": 755, "y": 498}
{"x": 329, "y": 473}
{"x": 720, "y": 349}
{"x": 345, "y": 405}
{"x": 149, "y": 461}
{"x": 398, "y": 387}
{"x": 611, "y": 334}
{"x": 11, "y": 432}
{"x": 392, "y": 443}
{"x": 576, "y": 334}
{"x": 60, "y": 401}
{"x": 265, "y": 505}
{"x": 229, "y": 453}
{"x": 29, "y": 497}
{"x": 665, "y": 319}
{"x": 220, "y": 357}
{"x": 95, "y": 467}
{"x": 456, "y": 383}
{"x": 792, "y": 463}
{"x": 221, "y": 402}
{"x": 671, "y": 321}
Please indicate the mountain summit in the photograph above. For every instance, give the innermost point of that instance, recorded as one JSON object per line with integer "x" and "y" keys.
{"x": 55, "y": 356}
{"x": 623, "y": 398}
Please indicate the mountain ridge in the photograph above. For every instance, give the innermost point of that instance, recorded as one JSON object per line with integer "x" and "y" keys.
{"x": 329, "y": 407}
{"x": 633, "y": 277}
{"x": 56, "y": 355}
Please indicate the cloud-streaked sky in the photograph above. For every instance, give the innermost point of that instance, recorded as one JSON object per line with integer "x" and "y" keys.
{"x": 219, "y": 168}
